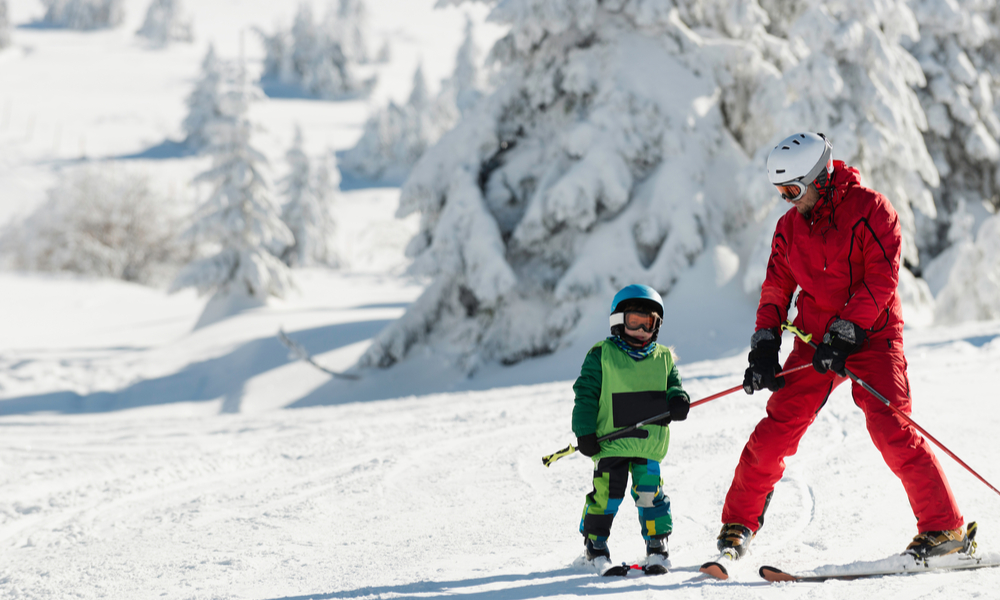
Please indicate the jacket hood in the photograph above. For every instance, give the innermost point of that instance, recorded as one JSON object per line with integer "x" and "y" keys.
{"x": 844, "y": 178}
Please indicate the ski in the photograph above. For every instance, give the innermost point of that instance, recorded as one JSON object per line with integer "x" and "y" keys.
{"x": 775, "y": 575}
{"x": 717, "y": 568}
{"x": 656, "y": 564}
{"x": 301, "y": 353}
{"x": 605, "y": 568}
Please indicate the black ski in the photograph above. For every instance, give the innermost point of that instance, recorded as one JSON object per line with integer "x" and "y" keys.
{"x": 605, "y": 568}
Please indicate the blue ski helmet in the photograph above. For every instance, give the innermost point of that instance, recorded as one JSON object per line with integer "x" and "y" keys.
{"x": 636, "y": 292}
{"x": 634, "y": 296}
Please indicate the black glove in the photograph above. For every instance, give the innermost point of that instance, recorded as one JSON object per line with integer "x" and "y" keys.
{"x": 841, "y": 340}
{"x": 764, "y": 365}
{"x": 588, "y": 444}
{"x": 679, "y": 407}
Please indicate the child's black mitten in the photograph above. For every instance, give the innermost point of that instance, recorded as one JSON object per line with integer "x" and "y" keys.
{"x": 679, "y": 407}
{"x": 588, "y": 444}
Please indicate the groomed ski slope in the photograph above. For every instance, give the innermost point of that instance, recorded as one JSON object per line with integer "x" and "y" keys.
{"x": 141, "y": 459}
{"x": 420, "y": 496}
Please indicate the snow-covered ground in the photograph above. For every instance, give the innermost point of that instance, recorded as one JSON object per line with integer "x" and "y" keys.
{"x": 137, "y": 478}
{"x": 140, "y": 458}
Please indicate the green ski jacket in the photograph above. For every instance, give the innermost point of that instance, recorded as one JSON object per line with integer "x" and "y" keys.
{"x": 615, "y": 391}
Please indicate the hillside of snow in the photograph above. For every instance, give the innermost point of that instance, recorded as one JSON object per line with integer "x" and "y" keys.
{"x": 141, "y": 458}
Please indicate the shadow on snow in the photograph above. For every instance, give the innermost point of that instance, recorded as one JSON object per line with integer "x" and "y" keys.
{"x": 223, "y": 376}
{"x": 570, "y": 582}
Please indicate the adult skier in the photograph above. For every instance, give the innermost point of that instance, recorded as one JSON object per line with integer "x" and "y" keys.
{"x": 625, "y": 379}
{"x": 841, "y": 246}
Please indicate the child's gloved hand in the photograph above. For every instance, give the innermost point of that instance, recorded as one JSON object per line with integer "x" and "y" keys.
{"x": 588, "y": 444}
{"x": 679, "y": 407}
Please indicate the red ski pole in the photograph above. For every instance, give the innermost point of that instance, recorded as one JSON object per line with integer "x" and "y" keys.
{"x": 807, "y": 338}
{"x": 551, "y": 458}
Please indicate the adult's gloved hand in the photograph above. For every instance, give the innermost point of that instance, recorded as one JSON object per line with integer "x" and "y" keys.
{"x": 764, "y": 365}
{"x": 588, "y": 444}
{"x": 840, "y": 341}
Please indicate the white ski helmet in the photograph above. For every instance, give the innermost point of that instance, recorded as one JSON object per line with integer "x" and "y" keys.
{"x": 799, "y": 160}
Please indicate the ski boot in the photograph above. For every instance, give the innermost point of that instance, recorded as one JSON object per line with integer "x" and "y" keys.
{"x": 595, "y": 548}
{"x": 734, "y": 540}
{"x": 597, "y": 554}
{"x": 941, "y": 543}
{"x": 656, "y": 556}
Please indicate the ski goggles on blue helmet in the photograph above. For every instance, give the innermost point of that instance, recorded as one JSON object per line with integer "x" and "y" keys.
{"x": 635, "y": 320}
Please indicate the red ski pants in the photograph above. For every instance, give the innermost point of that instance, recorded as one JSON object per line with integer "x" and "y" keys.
{"x": 793, "y": 408}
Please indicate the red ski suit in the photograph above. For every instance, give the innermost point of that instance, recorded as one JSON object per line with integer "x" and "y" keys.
{"x": 845, "y": 259}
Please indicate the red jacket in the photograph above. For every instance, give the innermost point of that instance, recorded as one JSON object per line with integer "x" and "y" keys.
{"x": 845, "y": 257}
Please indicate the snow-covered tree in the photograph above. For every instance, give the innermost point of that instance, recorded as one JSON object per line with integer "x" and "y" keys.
{"x": 204, "y": 102}
{"x": 313, "y": 58}
{"x": 839, "y": 68}
{"x": 165, "y": 23}
{"x": 239, "y": 222}
{"x": 348, "y": 26}
{"x": 4, "y": 25}
{"x": 959, "y": 50}
{"x": 627, "y": 136}
{"x": 84, "y": 14}
{"x": 464, "y": 85}
{"x": 309, "y": 194}
{"x": 395, "y": 137}
{"x": 973, "y": 288}
{"x": 603, "y": 158}
{"x": 105, "y": 222}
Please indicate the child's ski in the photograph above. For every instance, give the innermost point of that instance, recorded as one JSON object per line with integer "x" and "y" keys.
{"x": 605, "y": 568}
{"x": 777, "y": 575}
{"x": 656, "y": 564}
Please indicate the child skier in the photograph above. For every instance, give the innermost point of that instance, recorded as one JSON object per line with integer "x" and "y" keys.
{"x": 625, "y": 379}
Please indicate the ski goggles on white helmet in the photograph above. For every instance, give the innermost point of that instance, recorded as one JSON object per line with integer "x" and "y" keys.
{"x": 798, "y": 161}
{"x": 792, "y": 191}
{"x": 649, "y": 322}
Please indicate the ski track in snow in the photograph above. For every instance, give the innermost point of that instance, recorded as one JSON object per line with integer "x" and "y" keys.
{"x": 446, "y": 495}
{"x": 413, "y": 497}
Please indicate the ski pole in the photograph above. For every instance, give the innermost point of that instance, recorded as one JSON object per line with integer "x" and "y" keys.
{"x": 807, "y": 338}
{"x": 551, "y": 458}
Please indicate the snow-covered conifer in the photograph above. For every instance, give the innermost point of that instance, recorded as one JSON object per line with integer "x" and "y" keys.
{"x": 312, "y": 58}
{"x": 958, "y": 49}
{"x": 395, "y": 137}
{"x": 307, "y": 211}
{"x": 84, "y": 14}
{"x": 602, "y": 159}
{"x": 464, "y": 84}
{"x": 347, "y": 25}
{"x": 839, "y": 68}
{"x": 4, "y": 25}
{"x": 204, "y": 102}
{"x": 973, "y": 288}
{"x": 240, "y": 221}
{"x": 165, "y": 23}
